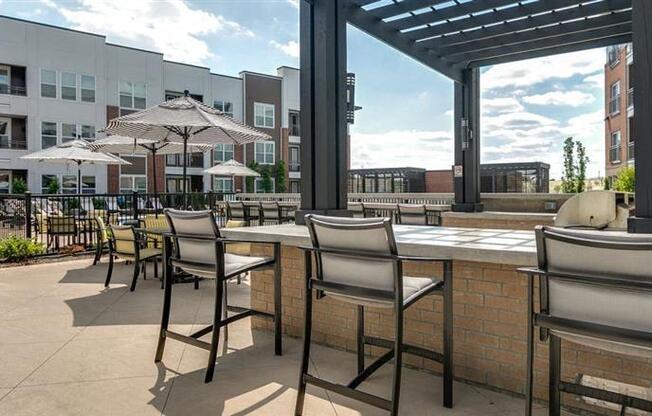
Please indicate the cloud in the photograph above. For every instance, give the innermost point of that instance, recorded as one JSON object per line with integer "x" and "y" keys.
{"x": 402, "y": 148}
{"x": 594, "y": 81}
{"x": 290, "y": 48}
{"x": 294, "y": 3}
{"x": 500, "y": 105}
{"x": 569, "y": 98}
{"x": 535, "y": 71}
{"x": 172, "y": 27}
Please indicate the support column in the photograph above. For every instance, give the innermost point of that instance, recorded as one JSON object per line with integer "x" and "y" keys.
{"x": 467, "y": 142}
{"x": 642, "y": 83}
{"x": 323, "y": 108}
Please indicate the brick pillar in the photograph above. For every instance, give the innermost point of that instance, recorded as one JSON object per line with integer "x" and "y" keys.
{"x": 112, "y": 171}
{"x": 160, "y": 174}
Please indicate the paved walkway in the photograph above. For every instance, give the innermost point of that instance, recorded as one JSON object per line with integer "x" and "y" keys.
{"x": 68, "y": 346}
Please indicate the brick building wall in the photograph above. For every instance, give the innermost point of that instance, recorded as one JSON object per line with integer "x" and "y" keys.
{"x": 489, "y": 318}
{"x": 439, "y": 181}
{"x": 618, "y": 121}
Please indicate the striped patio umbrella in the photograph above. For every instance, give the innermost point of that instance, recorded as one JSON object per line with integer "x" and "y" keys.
{"x": 185, "y": 120}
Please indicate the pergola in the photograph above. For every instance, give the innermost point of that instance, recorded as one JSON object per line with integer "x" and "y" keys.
{"x": 456, "y": 38}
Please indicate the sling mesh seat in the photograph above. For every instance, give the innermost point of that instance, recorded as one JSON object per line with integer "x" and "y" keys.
{"x": 412, "y": 214}
{"x": 358, "y": 262}
{"x": 595, "y": 290}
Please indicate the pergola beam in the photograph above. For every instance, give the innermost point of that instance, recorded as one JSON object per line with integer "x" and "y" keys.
{"x": 497, "y": 16}
{"x": 486, "y": 35}
{"x": 406, "y": 6}
{"x": 545, "y": 39}
{"x": 378, "y": 29}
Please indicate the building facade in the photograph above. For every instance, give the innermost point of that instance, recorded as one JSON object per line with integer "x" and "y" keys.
{"x": 619, "y": 110}
{"x": 58, "y": 84}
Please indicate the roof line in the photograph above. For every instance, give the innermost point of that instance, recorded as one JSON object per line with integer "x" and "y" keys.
{"x": 260, "y": 74}
{"x": 227, "y": 76}
{"x": 133, "y": 48}
{"x": 51, "y": 26}
{"x": 183, "y": 63}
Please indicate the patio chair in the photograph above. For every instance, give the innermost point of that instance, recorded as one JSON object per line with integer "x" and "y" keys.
{"x": 270, "y": 213}
{"x": 102, "y": 239}
{"x": 357, "y": 208}
{"x": 358, "y": 262}
{"x": 58, "y": 227}
{"x": 595, "y": 290}
{"x": 125, "y": 243}
{"x": 412, "y": 214}
{"x": 200, "y": 250}
{"x": 236, "y": 211}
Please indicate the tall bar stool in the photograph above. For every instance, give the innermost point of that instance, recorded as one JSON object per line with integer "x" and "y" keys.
{"x": 595, "y": 289}
{"x": 412, "y": 214}
{"x": 358, "y": 262}
{"x": 201, "y": 251}
{"x": 236, "y": 211}
{"x": 270, "y": 213}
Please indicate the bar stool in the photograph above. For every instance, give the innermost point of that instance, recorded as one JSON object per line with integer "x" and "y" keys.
{"x": 357, "y": 262}
{"x": 412, "y": 214}
{"x": 270, "y": 213}
{"x": 201, "y": 251}
{"x": 595, "y": 289}
{"x": 236, "y": 211}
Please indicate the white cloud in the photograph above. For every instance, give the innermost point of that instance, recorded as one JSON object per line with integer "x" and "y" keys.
{"x": 569, "y": 98}
{"x": 535, "y": 71}
{"x": 290, "y": 48}
{"x": 168, "y": 26}
{"x": 449, "y": 113}
{"x": 294, "y": 3}
{"x": 500, "y": 105}
{"x": 594, "y": 81}
{"x": 405, "y": 148}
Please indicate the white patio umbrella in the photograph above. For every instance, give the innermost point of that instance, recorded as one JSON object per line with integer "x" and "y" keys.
{"x": 231, "y": 168}
{"x": 185, "y": 120}
{"x": 75, "y": 151}
{"x": 130, "y": 145}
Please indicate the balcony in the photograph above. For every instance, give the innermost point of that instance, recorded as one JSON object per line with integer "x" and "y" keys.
{"x": 12, "y": 144}
{"x": 12, "y": 80}
{"x": 294, "y": 166}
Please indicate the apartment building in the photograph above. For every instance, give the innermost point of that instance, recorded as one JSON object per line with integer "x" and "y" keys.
{"x": 619, "y": 111}
{"x": 58, "y": 84}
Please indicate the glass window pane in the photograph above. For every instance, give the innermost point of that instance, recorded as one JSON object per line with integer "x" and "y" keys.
{"x": 48, "y": 77}
{"x": 88, "y": 82}
{"x": 68, "y": 132}
{"x": 125, "y": 101}
{"x": 48, "y": 128}
{"x": 49, "y": 91}
{"x": 88, "y": 132}
{"x": 140, "y": 89}
{"x": 228, "y": 108}
{"x": 269, "y": 111}
{"x": 140, "y": 183}
{"x": 260, "y": 121}
{"x": 68, "y": 79}
{"x": 140, "y": 103}
{"x": 68, "y": 93}
{"x": 125, "y": 88}
{"x": 88, "y": 96}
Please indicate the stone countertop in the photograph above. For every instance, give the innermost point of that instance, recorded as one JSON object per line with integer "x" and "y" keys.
{"x": 469, "y": 244}
{"x": 494, "y": 215}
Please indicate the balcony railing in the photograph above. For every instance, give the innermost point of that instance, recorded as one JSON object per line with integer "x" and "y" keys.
{"x": 294, "y": 167}
{"x": 16, "y": 144}
{"x": 630, "y": 98}
{"x": 614, "y": 104}
{"x": 13, "y": 90}
{"x": 630, "y": 151}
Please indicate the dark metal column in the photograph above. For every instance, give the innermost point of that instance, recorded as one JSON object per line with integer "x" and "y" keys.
{"x": 323, "y": 107}
{"x": 467, "y": 142}
{"x": 642, "y": 83}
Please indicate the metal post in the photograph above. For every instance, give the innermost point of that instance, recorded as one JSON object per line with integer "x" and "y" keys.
{"x": 185, "y": 166}
{"x": 134, "y": 203}
{"x": 28, "y": 214}
{"x": 642, "y": 83}
{"x": 323, "y": 104}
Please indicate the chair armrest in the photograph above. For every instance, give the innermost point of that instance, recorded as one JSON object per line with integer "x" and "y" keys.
{"x": 422, "y": 258}
{"x": 241, "y": 241}
{"x": 531, "y": 271}
{"x": 370, "y": 255}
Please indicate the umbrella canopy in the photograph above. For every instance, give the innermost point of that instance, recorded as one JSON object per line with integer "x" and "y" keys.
{"x": 130, "y": 145}
{"x": 75, "y": 151}
{"x": 231, "y": 168}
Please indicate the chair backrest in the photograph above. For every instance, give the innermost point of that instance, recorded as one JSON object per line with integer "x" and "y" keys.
{"x": 355, "y": 235}
{"x": 235, "y": 210}
{"x": 62, "y": 225}
{"x": 270, "y": 210}
{"x": 193, "y": 223}
{"x": 412, "y": 214}
{"x": 357, "y": 208}
{"x": 101, "y": 230}
{"x": 124, "y": 239}
{"x": 605, "y": 254}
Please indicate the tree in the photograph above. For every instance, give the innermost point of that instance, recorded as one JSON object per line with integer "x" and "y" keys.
{"x": 53, "y": 186}
{"x": 250, "y": 179}
{"x": 280, "y": 177}
{"x": 582, "y": 161}
{"x": 625, "y": 180}
{"x": 18, "y": 186}
{"x": 266, "y": 179}
{"x": 568, "y": 184}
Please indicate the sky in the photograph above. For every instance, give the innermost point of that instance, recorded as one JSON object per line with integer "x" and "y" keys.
{"x": 528, "y": 107}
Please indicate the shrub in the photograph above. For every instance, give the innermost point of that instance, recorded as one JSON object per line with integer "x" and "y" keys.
{"x": 18, "y": 186}
{"x": 53, "y": 186}
{"x": 14, "y": 248}
{"x": 625, "y": 180}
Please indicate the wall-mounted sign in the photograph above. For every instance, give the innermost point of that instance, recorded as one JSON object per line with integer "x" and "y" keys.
{"x": 458, "y": 171}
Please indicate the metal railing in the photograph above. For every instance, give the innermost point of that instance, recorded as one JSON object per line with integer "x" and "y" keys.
{"x": 17, "y": 144}
{"x": 13, "y": 90}
{"x": 630, "y": 98}
{"x": 294, "y": 167}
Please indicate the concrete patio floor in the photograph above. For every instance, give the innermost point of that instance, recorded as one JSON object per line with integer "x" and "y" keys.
{"x": 68, "y": 346}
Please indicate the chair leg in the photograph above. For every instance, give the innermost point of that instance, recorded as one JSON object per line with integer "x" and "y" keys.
{"x": 136, "y": 272}
{"x": 110, "y": 271}
{"x": 360, "y": 339}
{"x": 225, "y": 311}
{"x": 156, "y": 268}
{"x": 554, "y": 395}
{"x": 448, "y": 334}
{"x": 196, "y": 282}
{"x": 398, "y": 361}
{"x": 165, "y": 319}
{"x": 305, "y": 357}
{"x": 98, "y": 253}
{"x": 530, "y": 352}
{"x": 278, "y": 309}
{"x": 217, "y": 319}
{"x": 145, "y": 270}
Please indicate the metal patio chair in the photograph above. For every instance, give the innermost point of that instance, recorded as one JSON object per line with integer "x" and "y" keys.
{"x": 270, "y": 213}
{"x": 358, "y": 262}
{"x": 125, "y": 243}
{"x": 412, "y": 214}
{"x": 102, "y": 239}
{"x": 62, "y": 227}
{"x": 201, "y": 251}
{"x": 595, "y": 289}
{"x": 236, "y": 211}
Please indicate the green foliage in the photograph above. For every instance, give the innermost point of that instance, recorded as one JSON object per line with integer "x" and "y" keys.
{"x": 53, "y": 186}
{"x": 280, "y": 177}
{"x": 582, "y": 161}
{"x": 607, "y": 184}
{"x": 625, "y": 180}
{"x": 574, "y": 177}
{"x": 266, "y": 179}
{"x": 18, "y": 186}
{"x": 250, "y": 179}
{"x": 18, "y": 249}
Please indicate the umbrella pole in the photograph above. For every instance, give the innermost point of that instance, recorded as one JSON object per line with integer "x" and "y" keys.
{"x": 185, "y": 163}
{"x": 79, "y": 177}
{"x": 155, "y": 203}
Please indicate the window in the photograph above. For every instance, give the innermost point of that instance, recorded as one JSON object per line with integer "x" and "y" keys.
{"x": 88, "y": 88}
{"x": 69, "y": 86}
{"x": 88, "y": 184}
{"x": 614, "y": 150}
{"x": 68, "y": 132}
{"x": 223, "y": 185}
{"x": 5, "y": 83}
{"x": 614, "y": 101}
{"x": 133, "y": 177}
{"x": 193, "y": 160}
{"x": 264, "y": 115}
{"x": 48, "y": 134}
{"x": 224, "y": 106}
{"x": 45, "y": 183}
{"x": 264, "y": 153}
{"x": 5, "y": 132}
{"x": 88, "y": 132}
{"x": 258, "y": 185}
{"x": 294, "y": 123}
{"x": 5, "y": 181}
{"x": 68, "y": 184}
{"x": 222, "y": 153}
{"x": 132, "y": 96}
{"x": 295, "y": 187}
{"x": 48, "y": 83}
{"x": 294, "y": 164}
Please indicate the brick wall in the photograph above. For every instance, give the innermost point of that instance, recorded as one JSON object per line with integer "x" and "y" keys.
{"x": 112, "y": 171}
{"x": 500, "y": 224}
{"x": 439, "y": 181}
{"x": 160, "y": 173}
{"x": 489, "y": 316}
